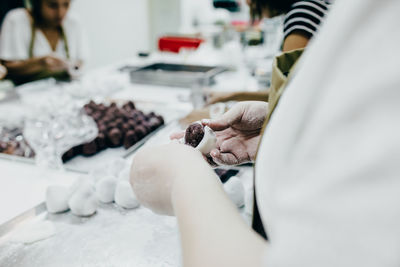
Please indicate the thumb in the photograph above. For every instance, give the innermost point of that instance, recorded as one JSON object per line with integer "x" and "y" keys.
{"x": 223, "y": 158}
{"x": 226, "y": 120}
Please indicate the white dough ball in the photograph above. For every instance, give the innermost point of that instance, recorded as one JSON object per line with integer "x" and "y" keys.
{"x": 124, "y": 195}
{"x": 116, "y": 166}
{"x": 80, "y": 182}
{"x": 83, "y": 201}
{"x": 125, "y": 174}
{"x": 105, "y": 189}
{"x": 208, "y": 142}
{"x": 98, "y": 173}
{"x": 57, "y": 199}
{"x": 235, "y": 190}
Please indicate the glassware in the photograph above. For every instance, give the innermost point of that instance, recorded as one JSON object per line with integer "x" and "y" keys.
{"x": 197, "y": 93}
{"x": 52, "y": 132}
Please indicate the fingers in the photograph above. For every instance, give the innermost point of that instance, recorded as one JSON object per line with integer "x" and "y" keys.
{"x": 223, "y": 158}
{"x": 177, "y": 135}
{"x": 233, "y": 115}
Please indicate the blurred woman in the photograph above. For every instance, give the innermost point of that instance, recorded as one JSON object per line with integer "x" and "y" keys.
{"x": 42, "y": 41}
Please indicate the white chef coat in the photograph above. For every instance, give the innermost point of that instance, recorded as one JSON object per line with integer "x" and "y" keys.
{"x": 16, "y": 34}
{"x": 328, "y": 169}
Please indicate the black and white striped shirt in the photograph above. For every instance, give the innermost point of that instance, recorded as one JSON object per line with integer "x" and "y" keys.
{"x": 306, "y": 17}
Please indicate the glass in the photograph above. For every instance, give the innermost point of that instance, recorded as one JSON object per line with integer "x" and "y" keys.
{"x": 197, "y": 93}
{"x": 52, "y": 132}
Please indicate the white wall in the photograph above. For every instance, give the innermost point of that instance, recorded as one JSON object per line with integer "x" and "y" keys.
{"x": 116, "y": 29}
{"x": 164, "y": 18}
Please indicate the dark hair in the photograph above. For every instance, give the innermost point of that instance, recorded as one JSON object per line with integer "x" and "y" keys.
{"x": 36, "y": 11}
{"x": 275, "y": 7}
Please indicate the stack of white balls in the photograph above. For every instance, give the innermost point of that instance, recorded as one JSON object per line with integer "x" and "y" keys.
{"x": 106, "y": 185}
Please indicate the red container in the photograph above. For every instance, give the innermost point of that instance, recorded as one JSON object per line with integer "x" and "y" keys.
{"x": 175, "y": 43}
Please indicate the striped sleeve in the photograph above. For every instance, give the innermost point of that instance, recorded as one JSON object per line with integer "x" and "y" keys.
{"x": 305, "y": 17}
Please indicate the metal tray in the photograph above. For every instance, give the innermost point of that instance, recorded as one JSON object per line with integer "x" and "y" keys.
{"x": 177, "y": 75}
{"x": 112, "y": 237}
{"x": 85, "y": 162}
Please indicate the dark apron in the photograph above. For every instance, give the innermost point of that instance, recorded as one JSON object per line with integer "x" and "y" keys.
{"x": 281, "y": 73}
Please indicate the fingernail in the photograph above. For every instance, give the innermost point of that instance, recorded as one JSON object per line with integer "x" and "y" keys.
{"x": 205, "y": 121}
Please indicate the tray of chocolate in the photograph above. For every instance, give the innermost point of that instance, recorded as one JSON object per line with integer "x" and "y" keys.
{"x": 118, "y": 126}
{"x": 12, "y": 143}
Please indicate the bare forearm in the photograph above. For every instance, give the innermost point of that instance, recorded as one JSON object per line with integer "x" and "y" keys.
{"x": 212, "y": 230}
{"x": 25, "y": 67}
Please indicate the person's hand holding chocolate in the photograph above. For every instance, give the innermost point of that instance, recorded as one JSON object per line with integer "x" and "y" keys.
{"x": 238, "y": 133}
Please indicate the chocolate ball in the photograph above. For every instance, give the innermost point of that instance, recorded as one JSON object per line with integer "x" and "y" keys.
{"x": 101, "y": 141}
{"x": 129, "y": 105}
{"x": 111, "y": 125}
{"x": 161, "y": 119}
{"x": 132, "y": 124}
{"x": 90, "y": 148}
{"x": 140, "y": 131}
{"x": 194, "y": 134}
{"x": 154, "y": 123}
{"x": 115, "y": 135}
{"x": 125, "y": 127}
{"x": 130, "y": 139}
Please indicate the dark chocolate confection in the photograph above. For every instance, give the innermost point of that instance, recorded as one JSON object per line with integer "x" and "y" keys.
{"x": 130, "y": 139}
{"x": 90, "y": 148}
{"x": 115, "y": 135}
{"x": 154, "y": 123}
{"x": 101, "y": 141}
{"x": 132, "y": 124}
{"x": 111, "y": 125}
{"x": 68, "y": 155}
{"x": 129, "y": 106}
{"x": 225, "y": 174}
{"x": 161, "y": 119}
{"x": 102, "y": 128}
{"x": 117, "y": 126}
{"x": 140, "y": 131}
{"x": 119, "y": 123}
{"x": 194, "y": 134}
{"x": 125, "y": 127}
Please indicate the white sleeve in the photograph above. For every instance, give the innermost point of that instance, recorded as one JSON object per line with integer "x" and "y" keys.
{"x": 329, "y": 195}
{"x": 15, "y": 36}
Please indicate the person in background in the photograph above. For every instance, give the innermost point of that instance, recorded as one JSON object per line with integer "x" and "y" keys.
{"x": 327, "y": 168}
{"x": 3, "y": 72}
{"x": 302, "y": 19}
{"x": 42, "y": 41}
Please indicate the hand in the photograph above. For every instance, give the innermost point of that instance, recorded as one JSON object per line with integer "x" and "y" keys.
{"x": 238, "y": 133}
{"x": 156, "y": 170}
{"x": 54, "y": 64}
{"x": 3, "y": 71}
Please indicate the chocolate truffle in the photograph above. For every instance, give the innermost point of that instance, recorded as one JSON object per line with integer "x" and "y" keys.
{"x": 129, "y": 105}
{"x": 90, "y": 148}
{"x": 194, "y": 134}
{"x": 140, "y": 131}
{"x": 101, "y": 141}
{"x": 130, "y": 139}
{"x": 115, "y": 135}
